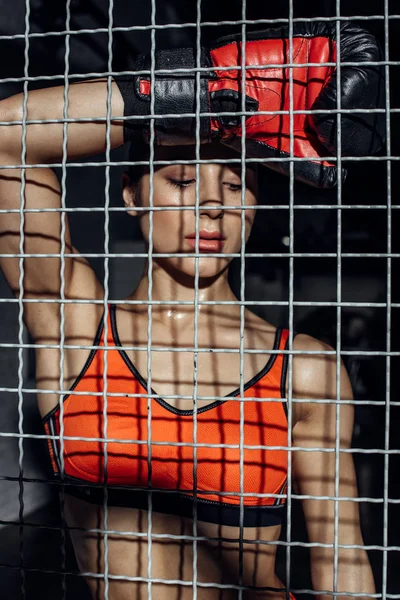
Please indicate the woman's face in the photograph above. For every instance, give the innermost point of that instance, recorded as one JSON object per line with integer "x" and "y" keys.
{"x": 219, "y": 214}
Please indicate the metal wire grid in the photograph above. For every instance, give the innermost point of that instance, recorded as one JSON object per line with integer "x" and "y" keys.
{"x": 388, "y": 309}
{"x": 291, "y": 315}
{"x": 196, "y": 296}
{"x": 291, "y": 303}
{"x": 133, "y": 28}
{"x": 106, "y": 299}
{"x": 62, "y": 288}
{"x": 242, "y": 297}
{"x": 21, "y": 314}
{"x": 338, "y": 308}
{"x": 150, "y": 305}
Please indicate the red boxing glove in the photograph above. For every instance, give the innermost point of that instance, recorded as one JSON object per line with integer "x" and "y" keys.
{"x": 314, "y": 88}
{"x": 267, "y": 88}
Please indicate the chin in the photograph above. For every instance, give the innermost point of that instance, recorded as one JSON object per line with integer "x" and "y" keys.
{"x": 209, "y": 267}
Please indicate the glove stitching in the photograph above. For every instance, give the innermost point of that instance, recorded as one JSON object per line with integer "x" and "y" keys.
{"x": 267, "y": 120}
{"x": 300, "y": 47}
{"x": 255, "y": 125}
{"x": 259, "y": 87}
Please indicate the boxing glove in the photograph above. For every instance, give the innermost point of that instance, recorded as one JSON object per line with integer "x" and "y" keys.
{"x": 219, "y": 101}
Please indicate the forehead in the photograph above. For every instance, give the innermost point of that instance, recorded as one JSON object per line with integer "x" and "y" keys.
{"x": 212, "y": 151}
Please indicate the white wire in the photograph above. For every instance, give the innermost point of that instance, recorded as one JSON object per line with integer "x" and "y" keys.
{"x": 200, "y": 445}
{"x": 62, "y": 283}
{"x": 21, "y": 306}
{"x": 201, "y": 303}
{"x": 196, "y": 292}
{"x": 188, "y": 25}
{"x": 217, "y": 255}
{"x": 179, "y": 208}
{"x": 102, "y": 74}
{"x": 309, "y": 111}
{"x": 106, "y": 301}
{"x": 185, "y": 537}
{"x": 291, "y": 312}
{"x": 385, "y": 533}
{"x": 338, "y": 308}
{"x": 216, "y": 350}
{"x": 242, "y": 297}
{"x": 190, "y": 162}
{"x": 150, "y": 298}
{"x": 183, "y": 397}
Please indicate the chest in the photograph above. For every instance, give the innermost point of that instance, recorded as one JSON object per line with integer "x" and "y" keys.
{"x": 246, "y": 433}
{"x": 206, "y": 374}
{"x": 212, "y": 444}
{"x": 179, "y": 367}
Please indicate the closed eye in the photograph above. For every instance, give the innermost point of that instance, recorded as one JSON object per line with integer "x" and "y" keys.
{"x": 234, "y": 187}
{"x": 180, "y": 183}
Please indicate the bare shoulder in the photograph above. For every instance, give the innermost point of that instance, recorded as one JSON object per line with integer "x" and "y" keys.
{"x": 318, "y": 375}
{"x": 313, "y": 362}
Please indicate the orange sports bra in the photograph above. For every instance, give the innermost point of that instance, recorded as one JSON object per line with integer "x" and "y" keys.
{"x": 214, "y": 493}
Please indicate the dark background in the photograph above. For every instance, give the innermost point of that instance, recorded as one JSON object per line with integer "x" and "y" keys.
{"x": 364, "y": 279}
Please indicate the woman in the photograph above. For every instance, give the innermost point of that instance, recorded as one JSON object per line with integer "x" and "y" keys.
{"x": 220, "y": 555}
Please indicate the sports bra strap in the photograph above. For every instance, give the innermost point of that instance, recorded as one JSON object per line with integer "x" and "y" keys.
{"x": 283, "y": 360}
{"x": 111, "y": 327}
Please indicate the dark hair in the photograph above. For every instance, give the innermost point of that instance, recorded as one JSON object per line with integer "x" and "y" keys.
{"x": 138, "y": 151}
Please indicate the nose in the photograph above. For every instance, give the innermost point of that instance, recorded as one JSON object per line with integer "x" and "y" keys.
{"x": 211, "y": 199}
{"x": 211, "y": 208}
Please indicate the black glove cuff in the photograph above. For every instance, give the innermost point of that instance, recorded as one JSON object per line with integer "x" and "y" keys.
{"x": 174, "y": 94}
{"x": 362, "y": 87}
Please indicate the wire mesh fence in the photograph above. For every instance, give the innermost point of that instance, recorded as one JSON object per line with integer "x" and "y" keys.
{"x": 377, "y": 491}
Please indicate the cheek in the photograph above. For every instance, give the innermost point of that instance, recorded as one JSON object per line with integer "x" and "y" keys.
{"x": 172, "y": 220}
{"x": 251, "y": 213}
{"x": 169, "y": 227}
{"x": 249, "y": 216}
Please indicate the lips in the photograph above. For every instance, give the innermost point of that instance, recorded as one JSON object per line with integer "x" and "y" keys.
{"x": 209, "y": 241}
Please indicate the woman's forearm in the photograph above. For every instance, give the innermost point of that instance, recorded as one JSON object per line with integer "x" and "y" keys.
{"x": 354, "y": 573}
{"x": 44, "y": 141}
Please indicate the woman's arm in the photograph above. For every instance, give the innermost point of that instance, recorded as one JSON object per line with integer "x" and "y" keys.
{"x": 314, "y": 472}
{"x": 42, "y": 231}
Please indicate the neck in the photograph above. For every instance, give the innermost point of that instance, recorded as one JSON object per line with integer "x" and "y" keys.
{"x": 171, "y": 286}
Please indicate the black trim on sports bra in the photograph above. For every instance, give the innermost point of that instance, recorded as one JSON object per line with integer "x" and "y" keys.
{"x": 284, "y": 375}
{"x": 89, "y": 360}
{"x": 161, "y": 401}
{"x": 175, "y": 503}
